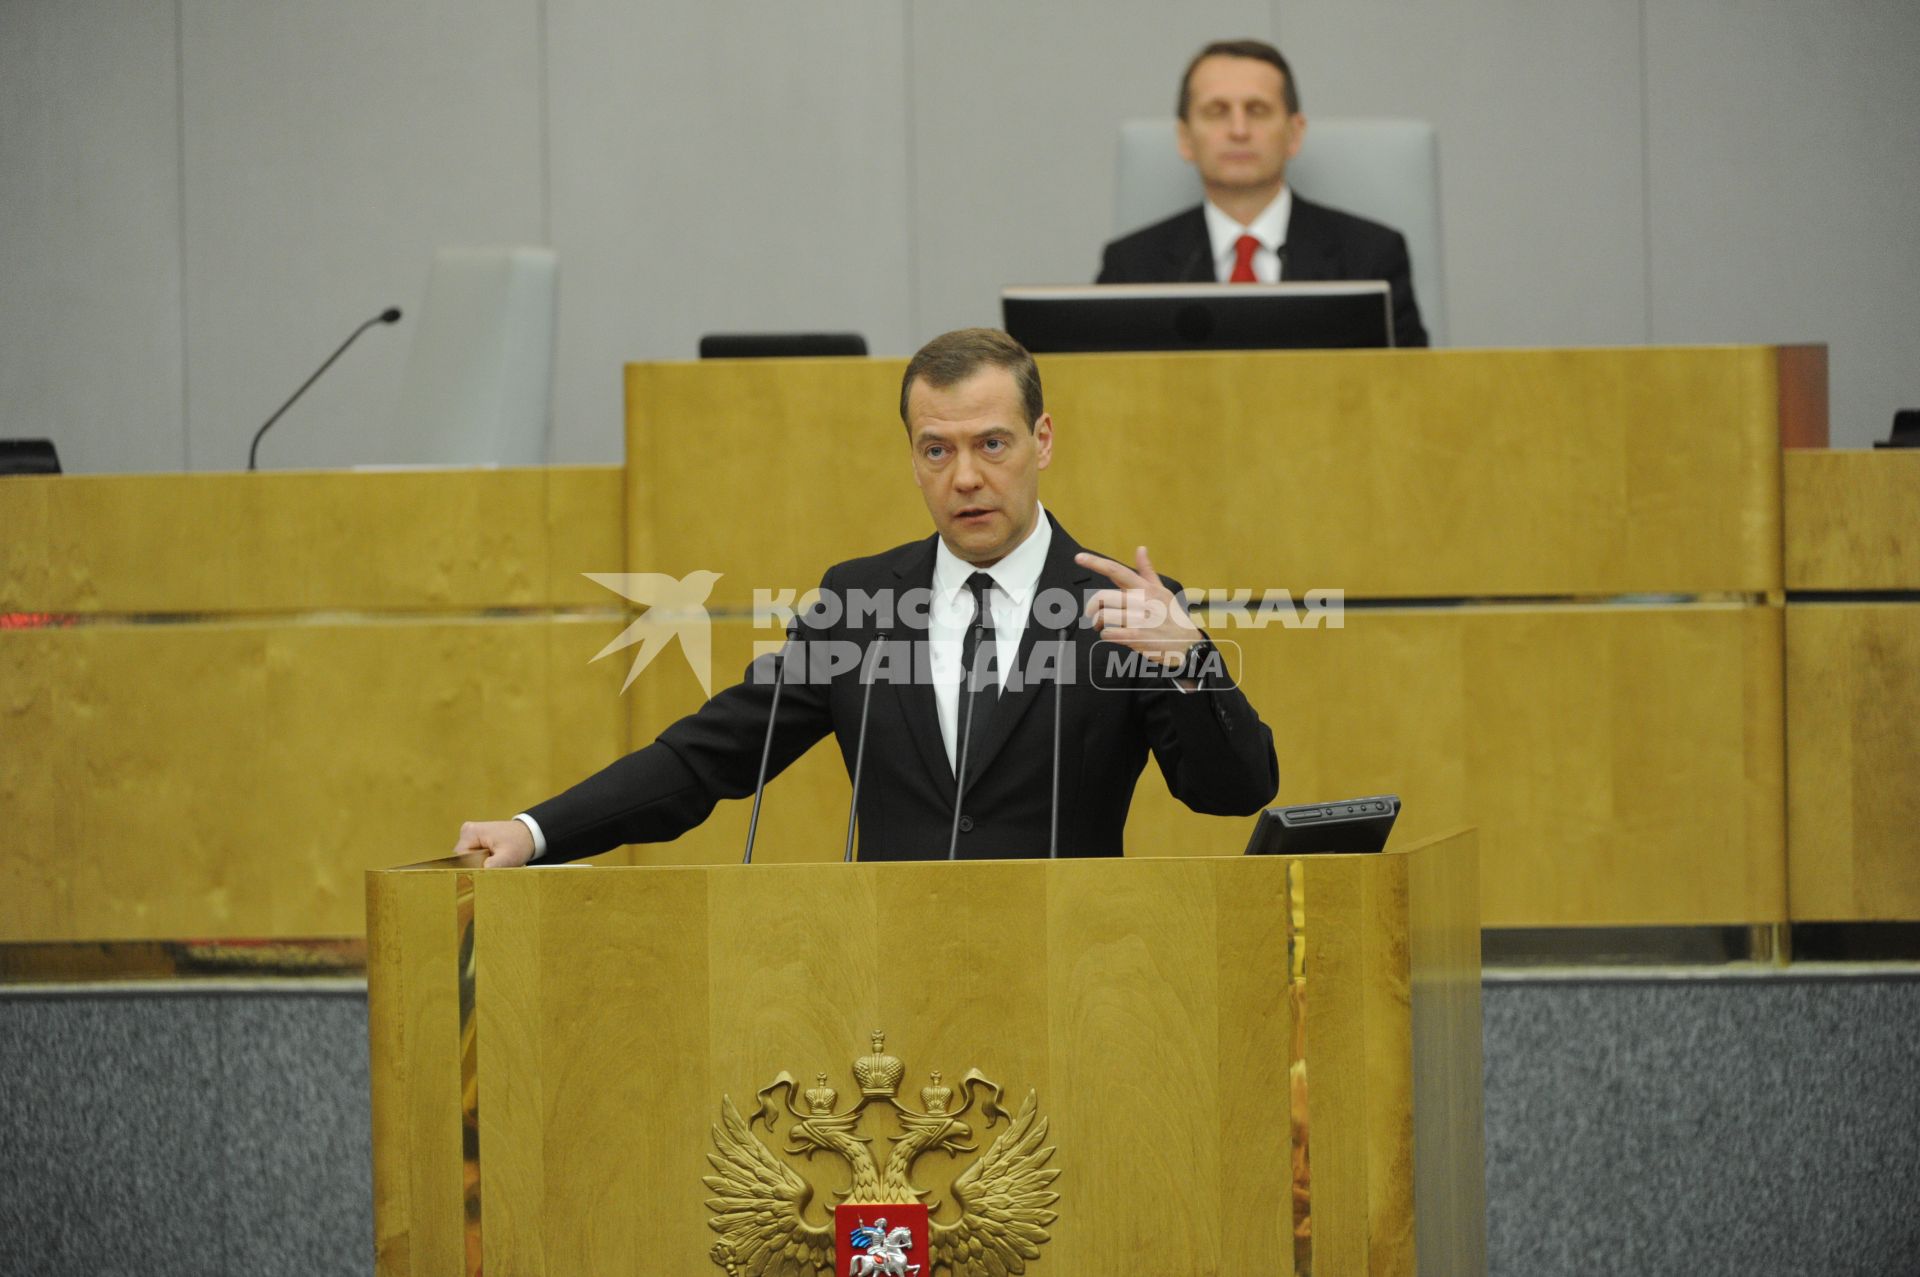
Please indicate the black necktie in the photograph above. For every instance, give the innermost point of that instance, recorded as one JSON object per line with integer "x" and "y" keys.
{"x": 978, "y": 657}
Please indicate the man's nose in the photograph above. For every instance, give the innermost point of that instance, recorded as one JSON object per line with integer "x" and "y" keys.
{"x": 966, "y": 476}
{"x": 1237, "y": 121}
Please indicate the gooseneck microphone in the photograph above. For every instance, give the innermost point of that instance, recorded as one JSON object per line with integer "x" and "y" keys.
{"x": 960, "y": 779}
{"x": 867, "y": 675}
{"x": 766, "y": 748}
{"x": 1053, "y": 812}
{"x": 391, "y": 315}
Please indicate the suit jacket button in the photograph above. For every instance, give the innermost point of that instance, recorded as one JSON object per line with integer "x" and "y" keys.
{"x": 966, "y": 824}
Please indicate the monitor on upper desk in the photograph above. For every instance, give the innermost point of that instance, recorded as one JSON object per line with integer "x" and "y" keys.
{"x": 1356, "y": 314}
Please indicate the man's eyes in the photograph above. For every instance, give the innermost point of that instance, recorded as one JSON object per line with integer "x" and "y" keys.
{"x": 1219, "y": 110}
{"x": 938, "y": 451}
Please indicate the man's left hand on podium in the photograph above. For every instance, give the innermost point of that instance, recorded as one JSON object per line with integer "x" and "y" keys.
{"x": 508, "y": 843}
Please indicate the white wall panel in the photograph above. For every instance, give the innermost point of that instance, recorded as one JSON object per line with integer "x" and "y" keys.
{"x": 1016, "y": 112}
{"x": 1538, "y": 112}
{"x": 329, "y": 149}
{"x": 879, "y": 166}
{"x": 1784, "y": 171}
{"x": 734, "y": 166}
{"x": 90, "y": 231}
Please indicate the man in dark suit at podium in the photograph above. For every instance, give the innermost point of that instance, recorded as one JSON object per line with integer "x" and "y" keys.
{"x": 1239, "y": 124}
{"x": 1000, "y": 590}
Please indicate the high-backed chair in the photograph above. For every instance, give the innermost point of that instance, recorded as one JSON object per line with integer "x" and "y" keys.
{"x": 1385, "y": 170}
{"x": 479, "y": 383}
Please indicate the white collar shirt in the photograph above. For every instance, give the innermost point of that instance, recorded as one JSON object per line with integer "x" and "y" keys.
{"x": 1016, "y": 579}
{"x": 1270, "y": 228}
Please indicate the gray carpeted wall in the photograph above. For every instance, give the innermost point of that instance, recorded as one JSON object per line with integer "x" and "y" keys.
{"x": 1735, "y": 1125}
{"x": 1743, "y": 1126}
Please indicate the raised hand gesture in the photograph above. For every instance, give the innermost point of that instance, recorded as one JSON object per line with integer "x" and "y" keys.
{"x": 1141, "y": 612}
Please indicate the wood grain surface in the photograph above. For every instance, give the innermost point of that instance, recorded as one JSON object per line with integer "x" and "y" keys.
{"x": 1385, "y": 474}
{"x": 236, "y": 778}
{"x": 1624, "y": 764}
{"x": 1143, "y": 1003}
{"x": 1853, "y": 733}
{"x": 413, "y": 1032}
{"x": 411, "y": 540}
{"x": 1850, "y": 520}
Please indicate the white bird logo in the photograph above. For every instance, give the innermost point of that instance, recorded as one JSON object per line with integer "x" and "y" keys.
{"x": 675, "y": 607}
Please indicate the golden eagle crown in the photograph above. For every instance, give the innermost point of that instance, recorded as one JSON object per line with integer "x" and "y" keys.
{"x": 878, "y": 1074}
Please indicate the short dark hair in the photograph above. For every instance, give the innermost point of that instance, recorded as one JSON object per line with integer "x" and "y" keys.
{"x": 951, "y": 358}
{"x": 1259, "y": 51}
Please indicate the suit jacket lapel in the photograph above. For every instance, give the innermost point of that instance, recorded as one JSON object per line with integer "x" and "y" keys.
{"x": 1059, "y": 573}
{"x": 1189, "y": 250}
{"x": 1312, "y": 252}
{"x": 914, "y": 571}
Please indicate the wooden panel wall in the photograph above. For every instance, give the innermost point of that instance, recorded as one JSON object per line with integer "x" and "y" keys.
{"x": 411, "y": 540}
{"x": 350, "y": 650}
{"x": 1850, "y": 520}
{"x": 1623, "y": 765}
{"x": 1624, "y": 762}
{"x": 1853, "y": 686}
{"x": 252, "y": 688}
{"x": 1386, "y": 474}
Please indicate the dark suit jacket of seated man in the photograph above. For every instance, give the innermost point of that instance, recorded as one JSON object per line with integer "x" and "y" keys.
{"x": 1239, "y": 124}
{"x": 980, "y": 437}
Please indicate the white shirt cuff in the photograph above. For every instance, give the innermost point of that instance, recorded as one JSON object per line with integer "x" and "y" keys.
{"x": 539, "y": 839}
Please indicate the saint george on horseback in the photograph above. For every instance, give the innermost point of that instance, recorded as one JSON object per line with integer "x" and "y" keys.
{"x": 881, "y": 1252}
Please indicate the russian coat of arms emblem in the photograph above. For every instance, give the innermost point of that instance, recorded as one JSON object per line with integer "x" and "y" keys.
{"x": 882, "y": 1225}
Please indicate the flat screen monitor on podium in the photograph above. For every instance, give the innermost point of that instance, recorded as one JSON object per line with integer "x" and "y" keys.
{"x": 1354, "y": 314}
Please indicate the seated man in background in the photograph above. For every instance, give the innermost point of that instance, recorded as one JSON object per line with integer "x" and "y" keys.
{"x": 1239, "y": 124}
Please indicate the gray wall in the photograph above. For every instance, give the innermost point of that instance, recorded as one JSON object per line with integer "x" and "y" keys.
{"x": 1704, "y": 1125}
{"x": 171, "y": 1131}
{"x": 200, "y": 199}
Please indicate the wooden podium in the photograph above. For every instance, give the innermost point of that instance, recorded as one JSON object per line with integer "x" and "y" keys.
{"x": 1225, "y": 1065}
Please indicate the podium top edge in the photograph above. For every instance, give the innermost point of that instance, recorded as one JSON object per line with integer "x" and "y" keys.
{"x": 468, "y": 863}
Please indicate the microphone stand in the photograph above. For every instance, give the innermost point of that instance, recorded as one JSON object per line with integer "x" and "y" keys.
{"x": 860, "y": 749}
{"x": 766, "y": 748}
{"x": 1053, "y": 812}
{"x": 960, "y": 769}
{"x": 391, "y": 315}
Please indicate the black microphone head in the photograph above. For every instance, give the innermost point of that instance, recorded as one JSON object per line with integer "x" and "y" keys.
{"x": 391, "y": 315}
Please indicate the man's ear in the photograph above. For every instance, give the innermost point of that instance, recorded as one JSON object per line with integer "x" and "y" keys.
{"x": 1184, "y": 136}
{"x": 1299, "y": 135}
{"x": 1043, "y": 440}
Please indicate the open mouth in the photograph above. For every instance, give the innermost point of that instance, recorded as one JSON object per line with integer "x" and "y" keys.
{"x": 974, "y": 514}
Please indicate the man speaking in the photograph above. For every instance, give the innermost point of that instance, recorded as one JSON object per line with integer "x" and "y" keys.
{"x": 971, "y": 643}
{"x": 1239, "y": 124}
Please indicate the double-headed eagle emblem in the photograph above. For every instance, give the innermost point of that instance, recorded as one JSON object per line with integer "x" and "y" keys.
{"x": 760, "y": 1204}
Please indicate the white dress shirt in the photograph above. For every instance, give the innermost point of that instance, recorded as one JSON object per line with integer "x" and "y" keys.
{"x": 1270, "y": 228}
{"x": 1015, "y": 580}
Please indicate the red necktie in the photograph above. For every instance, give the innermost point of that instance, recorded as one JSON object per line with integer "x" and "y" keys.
{"x": 1243, "y": 250}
